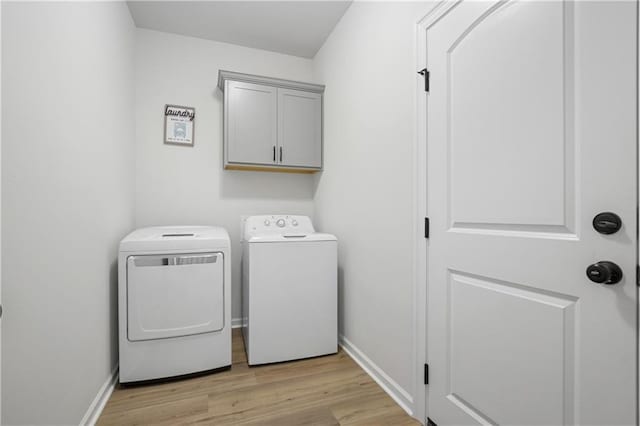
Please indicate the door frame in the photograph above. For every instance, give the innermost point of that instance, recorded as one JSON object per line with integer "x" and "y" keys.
{"x": 638, "y": 198}
{"x": 421, "y": 409}
{"x": 0, "y": 214}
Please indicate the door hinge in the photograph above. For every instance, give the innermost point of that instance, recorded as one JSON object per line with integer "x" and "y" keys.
{"x": 426, "y": 374}
{"x": 431, "y": 422}
{"x": 425, "y": 73}
{"x": 426, "y": 227}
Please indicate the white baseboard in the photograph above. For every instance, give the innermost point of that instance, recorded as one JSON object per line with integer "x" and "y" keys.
{"x": 395, "y": 391}
{"x": 236, "y": 322}
{"x": 97, "y": 405}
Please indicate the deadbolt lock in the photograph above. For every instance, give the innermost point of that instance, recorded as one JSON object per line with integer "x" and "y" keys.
{"x": 607, "y": 223}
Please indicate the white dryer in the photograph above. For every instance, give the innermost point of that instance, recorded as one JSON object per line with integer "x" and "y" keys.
{"x": 290, "y": 292}
{"x": 174, "y": 302}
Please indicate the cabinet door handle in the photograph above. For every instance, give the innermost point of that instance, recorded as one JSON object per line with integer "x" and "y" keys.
{"x": 281, "y": 154}
{"x": 274, "y": 153}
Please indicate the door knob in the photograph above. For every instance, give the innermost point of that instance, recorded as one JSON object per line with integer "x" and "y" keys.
{"x": 604, "y": 272}
{"x": 607, "y": 223}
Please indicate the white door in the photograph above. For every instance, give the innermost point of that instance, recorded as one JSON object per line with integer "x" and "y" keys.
{"x": 251, "y": 115}
{"x": 531, "y": 133}
{"x": 299, "y": 128}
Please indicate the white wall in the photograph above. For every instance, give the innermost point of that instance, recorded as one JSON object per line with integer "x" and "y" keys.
{"x": 177, "y": 185}
{"x": 67, "y": 200}
{"x": 366, "y": 193}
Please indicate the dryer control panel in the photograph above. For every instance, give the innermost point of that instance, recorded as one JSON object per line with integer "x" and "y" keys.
{"x": 277, "y": 225}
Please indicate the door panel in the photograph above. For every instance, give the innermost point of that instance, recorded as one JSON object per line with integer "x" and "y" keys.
{"x": 300, "y": 128}
{"x": 531, "y": 133}
{"x": 527, "y": 143}
{"x": 174, "y": 295}
{"x": 252, "y": 126}
{"x": 477, "y": 309}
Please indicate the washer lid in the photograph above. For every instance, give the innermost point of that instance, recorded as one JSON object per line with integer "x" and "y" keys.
{"x": 162, "y": 238}
{"x": 292, "y": 238}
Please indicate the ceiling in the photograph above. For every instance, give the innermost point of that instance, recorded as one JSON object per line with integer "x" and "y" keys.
{"x": 293, "y": 27}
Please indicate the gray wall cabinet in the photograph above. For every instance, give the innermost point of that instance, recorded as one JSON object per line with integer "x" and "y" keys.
{"x": 271, "y": 124}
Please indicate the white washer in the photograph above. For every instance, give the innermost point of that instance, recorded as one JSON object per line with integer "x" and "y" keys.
{"x": 174, "y": 302}
{"x": 290, "y": 293}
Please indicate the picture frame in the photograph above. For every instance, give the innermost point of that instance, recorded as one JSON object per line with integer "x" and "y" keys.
{"x": 179, "y": 125}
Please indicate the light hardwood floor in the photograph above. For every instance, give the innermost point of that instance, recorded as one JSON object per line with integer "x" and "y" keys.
{"x": 330, "y": 390}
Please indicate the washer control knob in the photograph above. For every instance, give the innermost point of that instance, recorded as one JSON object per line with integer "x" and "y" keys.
{"x": 281, "y": 223}
{"x": 267, "y": 222}
{"x": 294, "y": 222}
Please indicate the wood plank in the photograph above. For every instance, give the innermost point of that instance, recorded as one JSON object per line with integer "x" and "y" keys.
{"x": 307, "y": 367}
{"x": 156, "y": 413}
{"x": 330, "y": 390}
{"x": 315, "y": 416}
{"x": 282, "y": 397}
{"x": 140, "y": 396}
{"x": 369, "y": 410}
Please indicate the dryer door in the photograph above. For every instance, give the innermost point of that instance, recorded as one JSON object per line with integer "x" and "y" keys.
{"x": 173, "y": 295}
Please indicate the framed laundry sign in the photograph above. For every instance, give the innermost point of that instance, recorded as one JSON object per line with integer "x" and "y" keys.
{"x": 178, "y": 124}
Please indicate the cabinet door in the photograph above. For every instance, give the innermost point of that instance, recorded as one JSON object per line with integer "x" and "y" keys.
{"x": 299, "y": 128}
{"x": 250, "y": 123}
